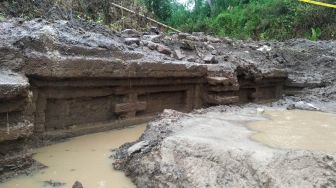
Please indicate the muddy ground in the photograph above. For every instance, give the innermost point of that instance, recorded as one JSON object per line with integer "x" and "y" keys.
{"x": 212, "y": 148}
{"x": 78, "y": 50}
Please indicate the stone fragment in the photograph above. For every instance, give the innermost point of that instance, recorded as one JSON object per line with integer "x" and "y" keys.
{"x": 152, "y": 45}
{"x": 137, "y": 147}
{"x": 178, "y": 54}
{"x": 260, "y": 111}
{"x": 182, "y": 36}
{"x": 52, "y": 183}
{"x": 187, "y": 45}
{"x": 133, "y": 46}
{"x": 264, "y": 48}
{"x": 213, "y": 39}
{"x": 191, "y": 59}
{"x": 192, "y": 38}
{"x": 12, "y": 85}
{"x": 130, "y": 33}
{"x": 77, "y": 184}
{"x": 153, "y": 38}
{"x": 209, "y": 59}
{"x": 164, "y": 49}
{"x": 214, "y": 52}
{"x": 198, "y": 33}
{"x": 154, "y": 30}
{"x": 301, "y": 105}
{"x": 130, "y": 41}
{"x": 210, "y": 47}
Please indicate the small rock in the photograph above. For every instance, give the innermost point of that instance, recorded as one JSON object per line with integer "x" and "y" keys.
{"x": 178, "y": 54}
{"x": 154, "y": 30}
{"x": 260, "y": 111}
{"x": 137, "y": 147}
{"x": 153, "y": 38}
{"x": 192, "y": 38}
{"x": 53, "y": 183}
{"x": 182, "y": 36}
{"x": 210, "y": 47}
{"x": 191, "y": 59}
{"x": 210, "y": 59}
{"x": 214, "y": 52}
{"x": 187, "y": 46}
{"x": 152, "y": 45}
{"x": 164, "y": 49}
{"x": 77, "y": 184}
{"x": 130, "y": 41}
{"x": 303, "y": 106}
{"x": 130, "y": 33}
{"x": 198, "y": 33}
{"x": 213, "y": 39}
{"x": 265, "y": 48}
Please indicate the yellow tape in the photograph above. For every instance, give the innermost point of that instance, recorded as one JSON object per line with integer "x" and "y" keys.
{"x": 319, "y": 3}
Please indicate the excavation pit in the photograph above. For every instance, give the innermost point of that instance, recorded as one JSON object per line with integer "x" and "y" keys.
{"x": 60, "y": 80}
{"x": 85, "y": 159}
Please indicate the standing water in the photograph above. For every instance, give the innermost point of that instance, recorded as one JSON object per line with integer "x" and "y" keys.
{"x": 84, "y": 158}
{"x": 297, "y": 129}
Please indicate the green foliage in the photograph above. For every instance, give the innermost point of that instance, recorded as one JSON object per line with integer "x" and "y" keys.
{"x": 315, "y": 34}
{"x": 160, "y": 8}
{"x": 242, "y": 19}
{"x": 255, "y": 19}
{"x": 2, "y": 18}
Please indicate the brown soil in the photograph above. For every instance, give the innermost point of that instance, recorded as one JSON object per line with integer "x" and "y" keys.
{"x": 60, "y": 79}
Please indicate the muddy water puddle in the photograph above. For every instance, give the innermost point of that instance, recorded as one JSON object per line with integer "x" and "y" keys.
{"x": 84, "y": 159}
{"x": 297, "y": 129}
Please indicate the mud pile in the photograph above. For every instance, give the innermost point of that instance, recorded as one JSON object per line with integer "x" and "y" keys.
{"x": 311, "y": 67}
{"x": 212, "y": 148}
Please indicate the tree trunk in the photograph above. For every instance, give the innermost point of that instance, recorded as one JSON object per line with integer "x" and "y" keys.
{"x": 210, "y": 3}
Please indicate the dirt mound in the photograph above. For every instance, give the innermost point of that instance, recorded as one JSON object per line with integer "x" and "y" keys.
{"x": 212, "y": 148}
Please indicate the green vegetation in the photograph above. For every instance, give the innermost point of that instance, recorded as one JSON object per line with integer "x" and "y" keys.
{"x": 250, "y": 19}
{"x": 2, "y": 18}
{"x": 242, "y": 19}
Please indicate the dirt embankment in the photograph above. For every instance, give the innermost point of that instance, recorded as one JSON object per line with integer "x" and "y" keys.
{"x": 53, "y": 72}
{"x": 212, "y": 147}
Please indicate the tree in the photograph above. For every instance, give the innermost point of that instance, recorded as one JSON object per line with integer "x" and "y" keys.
{"x": 160, "y": 8}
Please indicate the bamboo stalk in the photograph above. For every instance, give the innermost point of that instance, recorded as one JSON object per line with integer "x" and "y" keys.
{"x": 147, "y": 18}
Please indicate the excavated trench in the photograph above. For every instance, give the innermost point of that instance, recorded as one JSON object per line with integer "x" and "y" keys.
{"x": 85, "y": 159}
{"x": 59, "y": 81}
{"x": 62, "y": 109}
{"x": 69, "y": 161}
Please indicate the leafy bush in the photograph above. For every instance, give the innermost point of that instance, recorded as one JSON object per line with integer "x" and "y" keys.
{"x": 257, "y": 19}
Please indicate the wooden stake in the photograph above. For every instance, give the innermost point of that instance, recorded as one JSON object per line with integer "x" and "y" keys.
{"x": 147, "y": 18}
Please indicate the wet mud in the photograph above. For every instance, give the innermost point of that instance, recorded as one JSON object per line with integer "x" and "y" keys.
{"x": 85, "y": 159}
{"x": 214, "y": 148}
{"x": 305, "y": 130}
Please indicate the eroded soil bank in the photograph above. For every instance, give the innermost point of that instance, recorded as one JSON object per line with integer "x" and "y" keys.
{"x": 60, "y": 79}
{"x": 85, "y": 159}
{"x": 213, "y": 148}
